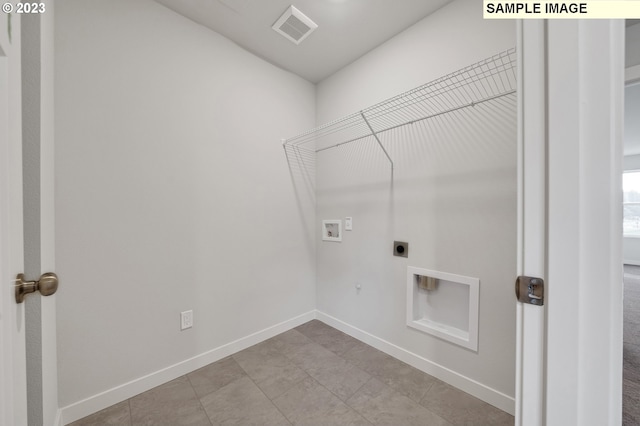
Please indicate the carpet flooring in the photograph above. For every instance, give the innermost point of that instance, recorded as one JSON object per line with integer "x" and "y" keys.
{"x": 631, "y": 347}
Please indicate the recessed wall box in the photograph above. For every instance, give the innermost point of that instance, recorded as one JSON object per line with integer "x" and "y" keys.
{"x": 332, "y": 230}
{"x": 448, "y": 310}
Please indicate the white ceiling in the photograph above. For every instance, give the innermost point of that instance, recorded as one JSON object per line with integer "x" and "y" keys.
{"x": 347, "y": 29}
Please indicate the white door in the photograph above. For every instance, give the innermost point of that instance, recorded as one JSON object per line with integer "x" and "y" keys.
{"x": 569, "y": 352}
{"x": 13, "y": 375}
{"x": 32, "y": 401}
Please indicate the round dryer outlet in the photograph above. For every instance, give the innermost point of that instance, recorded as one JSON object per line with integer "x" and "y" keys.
{"x": 400, "y": 248}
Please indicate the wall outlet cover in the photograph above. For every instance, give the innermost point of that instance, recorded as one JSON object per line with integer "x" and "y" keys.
{"x": 186, "y": 320}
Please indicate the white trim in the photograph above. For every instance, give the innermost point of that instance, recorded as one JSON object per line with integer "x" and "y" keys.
{"x": 58, "y": 420}
{"x": 6, "y": 344}
{"x": 530, "y": 328}
{"x": 466, "y": 384}
{"x": 125, "y": 391}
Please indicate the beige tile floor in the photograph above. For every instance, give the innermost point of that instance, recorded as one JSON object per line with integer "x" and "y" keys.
{"x": 311, "y": 375}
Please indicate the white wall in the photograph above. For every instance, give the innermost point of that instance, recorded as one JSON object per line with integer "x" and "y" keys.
{"x": 631, "y": 245}
{"x": 172, "y": 193}
{"x": 632, "y": 45}
{"x": 453, "y": 197}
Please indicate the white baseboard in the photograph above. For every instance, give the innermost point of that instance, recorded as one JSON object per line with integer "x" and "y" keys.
{"x": 58, "y": 419}
{"x": 125, "y": 391}
{"x": 480, "y": 391}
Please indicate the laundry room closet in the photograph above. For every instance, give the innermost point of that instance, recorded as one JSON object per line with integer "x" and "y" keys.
{"x": 440, "y": 175}
{"x": 181, "y": 186}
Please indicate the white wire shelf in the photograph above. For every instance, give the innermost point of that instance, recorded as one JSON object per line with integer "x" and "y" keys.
{"x": 481, "y": 82}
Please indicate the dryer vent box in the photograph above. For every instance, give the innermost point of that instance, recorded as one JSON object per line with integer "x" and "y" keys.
{"x": 294, "y": 25}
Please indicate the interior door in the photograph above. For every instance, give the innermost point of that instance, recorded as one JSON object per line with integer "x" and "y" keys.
{"x": 29, "y": 395}
{"x": 12, "y": 320}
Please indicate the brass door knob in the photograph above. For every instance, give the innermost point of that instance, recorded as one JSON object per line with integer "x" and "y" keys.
{"x": 47, "y": 285}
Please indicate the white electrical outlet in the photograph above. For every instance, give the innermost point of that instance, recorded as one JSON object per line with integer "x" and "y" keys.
{"x": 348, "y": 224}
{"x": 186, "y": 320}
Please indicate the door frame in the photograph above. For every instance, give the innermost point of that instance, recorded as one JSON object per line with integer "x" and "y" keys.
{"x": 569, "y": 353}
{"x": 532, "y": 241}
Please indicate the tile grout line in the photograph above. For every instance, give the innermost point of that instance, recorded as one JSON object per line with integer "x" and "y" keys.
{"x": 320, "y": 384}
{"x": 372, "y": 375}
{"x": 199, "y": 399}
{"x": 260, "y": 389}
{"x": 323, "y": 386}
{"x": 353, "y": 408}
{"x": 130, "y": 414}
{"x": 444, "y": 417}
{"x": 269, "y": 399}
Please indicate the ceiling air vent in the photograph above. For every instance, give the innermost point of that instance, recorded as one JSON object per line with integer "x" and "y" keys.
{"x": 294, "y": 25}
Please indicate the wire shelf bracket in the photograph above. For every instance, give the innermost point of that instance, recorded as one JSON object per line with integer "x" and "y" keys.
{"x": 484, "y": 81}
{"x": 375, "y": 135}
